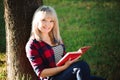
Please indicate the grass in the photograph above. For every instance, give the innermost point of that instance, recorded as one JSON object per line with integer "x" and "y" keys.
{"x": 94, "y": 23}
{"x": 2, "y": 44}
{"x": 2, "y": 66}
{"x": 89, "y": 22}
{"x": 2, "y": 29}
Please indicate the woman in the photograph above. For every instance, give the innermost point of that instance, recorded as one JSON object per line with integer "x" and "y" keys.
{"x": 45, "y": 48}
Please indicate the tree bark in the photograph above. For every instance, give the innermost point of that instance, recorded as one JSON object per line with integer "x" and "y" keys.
{"x": 18, "y": 16}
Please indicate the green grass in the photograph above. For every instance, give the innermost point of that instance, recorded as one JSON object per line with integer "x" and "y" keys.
{"x": 90, "y": 22}
{"x": 94, "y": 23}
{"x": 2, "y": 66}
{"x": 2, "y": 29}
{"x": 2, "y": 44}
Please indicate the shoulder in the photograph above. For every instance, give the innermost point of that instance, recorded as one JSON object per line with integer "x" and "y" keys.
{"x": 30, "y": 42}
{"x": 35, "y": 43}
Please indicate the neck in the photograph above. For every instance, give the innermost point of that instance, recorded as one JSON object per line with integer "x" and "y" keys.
{"x": 45, "y": 37}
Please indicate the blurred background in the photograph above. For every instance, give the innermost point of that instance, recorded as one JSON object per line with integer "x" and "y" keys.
{"x": 93, "y": 23}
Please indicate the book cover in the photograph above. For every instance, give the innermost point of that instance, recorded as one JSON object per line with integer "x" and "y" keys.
{"x": 72, "y": 55}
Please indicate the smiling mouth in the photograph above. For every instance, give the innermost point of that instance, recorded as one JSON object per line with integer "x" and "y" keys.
{"x": 46, "y": 28}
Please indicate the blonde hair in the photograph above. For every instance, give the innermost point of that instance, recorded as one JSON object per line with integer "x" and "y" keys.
{"x": 40, "y": 14}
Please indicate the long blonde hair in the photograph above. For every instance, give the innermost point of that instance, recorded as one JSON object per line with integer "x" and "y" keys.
{"x": 38, "y": 15}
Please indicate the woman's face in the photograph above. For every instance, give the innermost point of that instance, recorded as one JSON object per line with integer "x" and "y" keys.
{"x": 46, "y": 25}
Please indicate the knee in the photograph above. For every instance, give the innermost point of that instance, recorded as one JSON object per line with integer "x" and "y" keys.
{"x": 83, "y": 64}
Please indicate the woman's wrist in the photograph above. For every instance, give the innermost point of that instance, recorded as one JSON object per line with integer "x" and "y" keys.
{"x": 65, "y": 66}
{"x": 61, "y": 68}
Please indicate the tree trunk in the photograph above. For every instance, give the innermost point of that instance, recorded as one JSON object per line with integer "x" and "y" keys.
{"x": 18, "y": 15}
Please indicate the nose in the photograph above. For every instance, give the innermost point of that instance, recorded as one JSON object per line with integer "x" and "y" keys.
{"x": 48, "y": 23}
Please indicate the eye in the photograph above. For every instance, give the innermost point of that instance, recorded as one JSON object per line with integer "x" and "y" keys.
{"x": 51, "y": 21}
{"x": 43, "y": 20}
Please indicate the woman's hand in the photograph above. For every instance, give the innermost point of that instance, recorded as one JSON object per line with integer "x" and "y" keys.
{"x": 69, "y": 62}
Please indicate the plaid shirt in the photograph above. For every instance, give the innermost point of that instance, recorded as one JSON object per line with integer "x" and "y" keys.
{"x": 40, "y": 55}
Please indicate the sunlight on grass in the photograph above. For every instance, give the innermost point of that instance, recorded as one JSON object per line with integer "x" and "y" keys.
{"x": 2, "y": 66}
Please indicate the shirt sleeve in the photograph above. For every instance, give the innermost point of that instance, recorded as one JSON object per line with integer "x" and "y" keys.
{"x": 34, "y": 58}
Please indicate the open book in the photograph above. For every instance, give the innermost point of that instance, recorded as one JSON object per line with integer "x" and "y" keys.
{"x": 72, "y": 55}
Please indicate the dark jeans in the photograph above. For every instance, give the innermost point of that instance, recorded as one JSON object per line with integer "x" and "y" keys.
{"x": 69, "y": 74}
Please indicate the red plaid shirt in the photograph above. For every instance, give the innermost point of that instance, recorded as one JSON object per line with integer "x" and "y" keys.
{"x": 40, "y": 55}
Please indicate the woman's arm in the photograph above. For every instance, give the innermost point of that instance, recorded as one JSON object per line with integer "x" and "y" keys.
{"x": 53, "y": 71}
